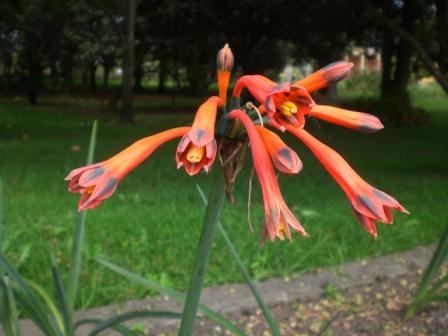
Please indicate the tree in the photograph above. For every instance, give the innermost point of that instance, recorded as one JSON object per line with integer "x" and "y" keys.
{"x": 388, "y": 23}
{"x": 128, "y": 9}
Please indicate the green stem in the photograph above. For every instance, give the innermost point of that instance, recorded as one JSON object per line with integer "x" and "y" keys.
{"x": 215, "y": 203}
{"x": 264, "y": 307}
{"x": 78, "y": 239}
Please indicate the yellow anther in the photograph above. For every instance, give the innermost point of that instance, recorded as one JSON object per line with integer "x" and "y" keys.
{"x": 288, "y": 108}
{"x": 281, "y": 229}
{"x": 89, "y": 189}
{"x": 195, "y": 154}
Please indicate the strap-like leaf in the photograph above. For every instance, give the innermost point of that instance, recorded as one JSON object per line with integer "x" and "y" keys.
{"x": 439, "y": 256}
{"x": 48, "y": 327}
{"x": 62, "y": 297}
{"x": 2, "y": 226}
{"x": 8, "y": 310}
{"x": 120, "y": 328}
{"x": 212, "y": 315}
{"x": 52, "y": 308}
{"x": 131, "y": 316}
{"x": 425, "y": 293}
{"x": 35, "y": 305}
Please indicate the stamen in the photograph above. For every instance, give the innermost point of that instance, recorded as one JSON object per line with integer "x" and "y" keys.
{"x": 288, "y": 108}
{"x": 89, "y": 189}
{"x": 281, "y": 229}
{"x": 195, "y": 154}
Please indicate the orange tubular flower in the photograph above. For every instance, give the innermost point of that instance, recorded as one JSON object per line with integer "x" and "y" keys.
{"x": 224, "y": 64}
{"x": 287, "y": 104}
{"x": 278, "y": 218}
{"x": 369, "y": 204}
{"x": 357, "y": 121}
{"x": 284, "y": 103}
{"x": 198, "y": 147}
{"x": 283, "y": 157}
{"x": 326, "y": 76}
{"x": 98, "y": 181}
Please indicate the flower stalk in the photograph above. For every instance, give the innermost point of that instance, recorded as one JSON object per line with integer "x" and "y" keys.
{"x": 215, "y": 204}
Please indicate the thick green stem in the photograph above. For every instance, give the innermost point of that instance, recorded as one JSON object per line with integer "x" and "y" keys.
{"x": 264, "y": 307}
{"x": 215, "y": 203}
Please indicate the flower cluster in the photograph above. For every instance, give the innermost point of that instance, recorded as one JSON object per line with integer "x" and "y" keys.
{"x": 221, "y": 131}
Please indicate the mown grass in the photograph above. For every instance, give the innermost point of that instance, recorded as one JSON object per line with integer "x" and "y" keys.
{"x": 151, "y": 224}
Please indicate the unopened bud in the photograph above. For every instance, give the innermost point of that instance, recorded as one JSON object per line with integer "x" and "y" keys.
{"x": 224, "y": 60}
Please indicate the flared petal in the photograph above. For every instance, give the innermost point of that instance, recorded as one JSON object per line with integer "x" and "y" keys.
{"x": 283, "y": 157}
{"x": 357, "y": 121}
{"x": 197, "y": 149}
{"x": 367, "y": 223}
{"x": 193, "y": 158}
{"x": 326, "y": 76}
{"x": 278, "y": 218}
{"x": 104, "y": 189}
{"x": 76, "y": 172}
{"x": 367, "y": 201}
{"x": 98, "y": 181}
{"x": 284, "y": 103}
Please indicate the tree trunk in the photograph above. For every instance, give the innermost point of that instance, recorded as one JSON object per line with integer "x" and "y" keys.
{"x": 53, "y": 76}
{"x": 33, "y": 82}
{"x": 386, "y": 58}
{"x": 129, "y": 8}
{"x": 92, "y": 77}
{"x": 7, "y": 66}
{"x": 442, "y": 34}
{"x": 404, "y": 53}
{"x": 440, "y": 77}
{"x": 138, "y": 76}
{"x": 106, "y": 72}
{"x": 67, "y": 73}
{"x": 162, "y": 77}
{"x": 197, "y": 77}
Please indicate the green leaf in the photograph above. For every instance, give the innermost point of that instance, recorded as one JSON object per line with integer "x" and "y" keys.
{"x": 178, "y": 296}
{"x": 130, "y": 316}
{"x": 439, "y": 256}
{"x": 36, "y": 307}
{"x": 424, "y": 293}
{"x": 263, "y": 306}
{"x": 8, "y": 310}
{"x": 62, "y": 297}
{"x": 53, "y": 309}
{"x": 120, "y": 328}
{"x": 2, "y": 226}
{"x": 214, "y": 207}
{"x": 78, "y": 237}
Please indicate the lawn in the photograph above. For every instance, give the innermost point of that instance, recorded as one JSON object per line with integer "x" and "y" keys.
{"x": 151, "y": 224}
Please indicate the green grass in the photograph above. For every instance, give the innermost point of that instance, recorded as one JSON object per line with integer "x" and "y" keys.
{"x": 152, "y": 222}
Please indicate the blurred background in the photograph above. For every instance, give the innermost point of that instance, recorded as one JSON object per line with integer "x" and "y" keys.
{"x": 140, "y": 67}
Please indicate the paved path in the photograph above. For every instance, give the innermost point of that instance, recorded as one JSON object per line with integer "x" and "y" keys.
{"x": 235, "y": 299}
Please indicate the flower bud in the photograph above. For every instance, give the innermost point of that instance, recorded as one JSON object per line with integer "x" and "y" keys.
{"x": 224, "y": 60}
